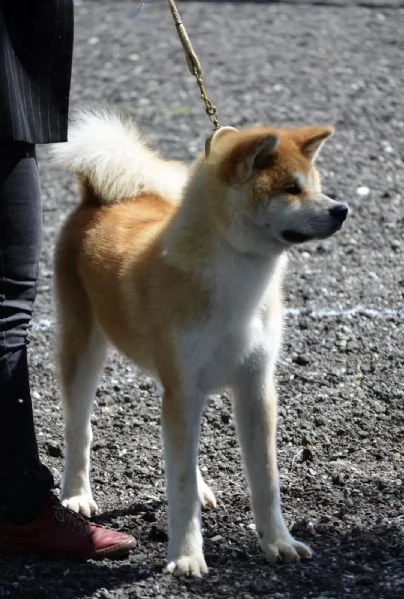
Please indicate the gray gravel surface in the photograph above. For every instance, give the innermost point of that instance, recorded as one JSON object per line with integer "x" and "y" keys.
{"x": 341, "y": 371}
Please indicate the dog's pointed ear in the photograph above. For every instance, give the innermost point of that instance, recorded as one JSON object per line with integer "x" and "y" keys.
{"x": 217, "y": 141}
{"x": 256, "y": 154}
{"x": 311, "y": 139}
{"x": 262, "y": 154}
{"x": 240, "y": 153}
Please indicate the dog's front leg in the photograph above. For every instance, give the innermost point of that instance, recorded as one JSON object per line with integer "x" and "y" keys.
{"x": 181, "y": 426}
{"x": 256, "y": 411}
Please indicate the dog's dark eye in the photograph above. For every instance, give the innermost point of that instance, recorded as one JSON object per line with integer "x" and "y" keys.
{"x": 294, "y": 189}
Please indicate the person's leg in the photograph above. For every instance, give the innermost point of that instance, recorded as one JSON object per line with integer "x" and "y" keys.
{"x": 24, "y": 482}
{"x": 31, "y": 518}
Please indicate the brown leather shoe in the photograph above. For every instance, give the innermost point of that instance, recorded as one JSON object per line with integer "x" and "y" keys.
{"x": 58, "y": 531}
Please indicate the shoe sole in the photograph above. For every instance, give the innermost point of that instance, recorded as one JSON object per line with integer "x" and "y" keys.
{"x": 115, "y": 552}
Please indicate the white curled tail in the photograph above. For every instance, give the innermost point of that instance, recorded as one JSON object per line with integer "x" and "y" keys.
{"x": 106, "y": 151}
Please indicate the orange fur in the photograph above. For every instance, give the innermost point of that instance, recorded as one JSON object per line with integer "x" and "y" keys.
{"x": 113, "y": 255}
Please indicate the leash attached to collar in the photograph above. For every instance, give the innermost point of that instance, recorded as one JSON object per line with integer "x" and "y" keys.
{"x": 194, "y": 65}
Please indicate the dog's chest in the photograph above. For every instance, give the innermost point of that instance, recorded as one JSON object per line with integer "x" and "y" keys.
{"x": 243, "y": 320}
{"x": 228, "y": 351}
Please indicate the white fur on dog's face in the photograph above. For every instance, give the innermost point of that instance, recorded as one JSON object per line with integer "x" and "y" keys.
{"x": 308, "y": 216}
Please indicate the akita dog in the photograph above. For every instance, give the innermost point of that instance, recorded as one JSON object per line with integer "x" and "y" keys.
{"x": 181, "y": 269}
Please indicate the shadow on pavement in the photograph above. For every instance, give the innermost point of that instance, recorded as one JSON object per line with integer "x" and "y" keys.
{"x": 341, "y": 567}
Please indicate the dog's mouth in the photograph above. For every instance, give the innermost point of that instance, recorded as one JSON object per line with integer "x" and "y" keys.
{"x": 295, "y": 236}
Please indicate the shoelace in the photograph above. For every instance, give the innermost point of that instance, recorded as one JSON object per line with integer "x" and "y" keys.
{"x": 73, "y": 522}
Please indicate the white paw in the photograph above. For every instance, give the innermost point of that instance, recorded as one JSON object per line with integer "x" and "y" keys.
{"x": 285, "y": 549}
{"x": 206, "y": 495}
{"x": 82, "y": 504}
{"x": 187, "y": 565}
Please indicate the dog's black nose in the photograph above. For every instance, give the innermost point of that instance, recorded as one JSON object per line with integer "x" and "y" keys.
{"x": 340, "y": 211}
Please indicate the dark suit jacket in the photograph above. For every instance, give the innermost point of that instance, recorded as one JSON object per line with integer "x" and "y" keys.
{"x": 36, "y": 44}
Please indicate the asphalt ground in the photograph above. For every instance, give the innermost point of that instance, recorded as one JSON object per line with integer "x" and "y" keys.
{"x": 340, "y": 376}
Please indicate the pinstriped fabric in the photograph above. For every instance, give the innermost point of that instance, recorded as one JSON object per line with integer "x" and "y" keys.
{"x": 36, "y": 42}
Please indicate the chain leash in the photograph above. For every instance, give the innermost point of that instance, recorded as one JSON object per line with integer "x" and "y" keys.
{"x": 193, "y": 64}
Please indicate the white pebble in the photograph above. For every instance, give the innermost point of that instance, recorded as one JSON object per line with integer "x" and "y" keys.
{"x": 363, "y": 191}
{"x": 216, "y": 538}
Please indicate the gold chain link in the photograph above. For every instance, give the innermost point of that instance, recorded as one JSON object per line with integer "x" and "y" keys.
{"x": 193, "y": 64}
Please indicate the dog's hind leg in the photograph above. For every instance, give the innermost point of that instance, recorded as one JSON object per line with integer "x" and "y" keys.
{"x": 82, "y": 351}
{"x": 79, "y": 387}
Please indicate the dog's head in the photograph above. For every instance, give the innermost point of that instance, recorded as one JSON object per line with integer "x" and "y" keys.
{"x": 264, "y": 188}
